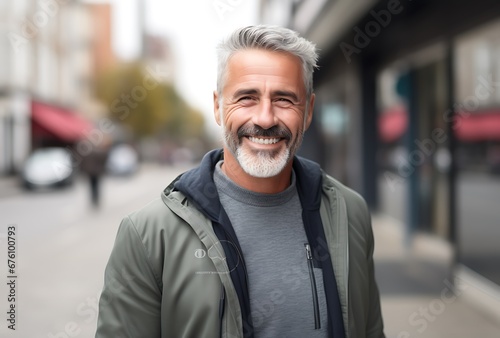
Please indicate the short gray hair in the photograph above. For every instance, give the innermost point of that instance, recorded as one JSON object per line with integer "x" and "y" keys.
{"x": 271, "y": 38}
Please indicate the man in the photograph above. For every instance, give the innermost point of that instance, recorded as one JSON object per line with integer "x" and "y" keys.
{"x": 255, "y": 242}
{"x": 94, "y": 166}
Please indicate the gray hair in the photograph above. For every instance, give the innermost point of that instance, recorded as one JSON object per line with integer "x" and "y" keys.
{"x": 272, "y": 38}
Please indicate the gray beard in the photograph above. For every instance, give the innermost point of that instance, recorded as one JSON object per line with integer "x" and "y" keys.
{"x": 262, "y": 164}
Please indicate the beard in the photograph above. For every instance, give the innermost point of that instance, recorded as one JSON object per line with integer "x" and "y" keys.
{"x": 262, "y": 163}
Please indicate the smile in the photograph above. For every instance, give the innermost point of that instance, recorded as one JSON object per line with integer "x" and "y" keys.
{"x": 264, "y": 140}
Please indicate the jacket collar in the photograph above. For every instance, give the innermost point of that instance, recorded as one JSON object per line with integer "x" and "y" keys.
{"x": 198, "y": 185}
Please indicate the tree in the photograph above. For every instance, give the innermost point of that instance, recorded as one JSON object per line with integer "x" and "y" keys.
{"x": 138, "y": 99}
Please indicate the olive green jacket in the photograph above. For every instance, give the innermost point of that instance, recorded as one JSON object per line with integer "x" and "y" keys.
{"x": 167, "y": 273}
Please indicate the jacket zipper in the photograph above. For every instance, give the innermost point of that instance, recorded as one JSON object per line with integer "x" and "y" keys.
{"x": 222, "y": 306}
{"x": 317, "y": 322}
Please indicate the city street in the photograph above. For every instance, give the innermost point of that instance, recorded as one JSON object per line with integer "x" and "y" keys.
{"x": 414, "y": 278}
{"x": 478, "y": 223}
{"x": 406, "y": 110}
{"x": 417, "y": 296}
{"x": 62, "y": 248}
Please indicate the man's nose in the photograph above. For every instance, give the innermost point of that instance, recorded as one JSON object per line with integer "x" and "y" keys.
{"x": 264, "y": 116}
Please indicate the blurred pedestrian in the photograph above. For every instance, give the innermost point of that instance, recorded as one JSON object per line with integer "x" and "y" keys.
{"x": 94, "y": 167}
{"x": 255, "y": 242}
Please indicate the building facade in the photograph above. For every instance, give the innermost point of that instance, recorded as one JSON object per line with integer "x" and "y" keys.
{"x": 46, "y": 56}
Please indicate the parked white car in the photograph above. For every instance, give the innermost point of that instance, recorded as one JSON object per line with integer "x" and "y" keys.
{"x": 48, "y": 167}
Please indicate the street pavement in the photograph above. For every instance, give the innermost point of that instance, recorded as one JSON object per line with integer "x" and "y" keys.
{"x": 417, "y": 294}
{"x": 477, "y": 215}
{"x": 63, "y": 245}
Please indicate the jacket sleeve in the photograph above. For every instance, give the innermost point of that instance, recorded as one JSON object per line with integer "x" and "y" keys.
{"x": 374, "y": 324}
{"x": 130, "y": 302}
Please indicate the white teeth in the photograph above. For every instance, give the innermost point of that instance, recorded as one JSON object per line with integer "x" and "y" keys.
{"x": 264, "y": 140}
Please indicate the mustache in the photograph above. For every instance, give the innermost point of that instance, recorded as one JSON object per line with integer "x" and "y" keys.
{"x": 274, "y": 132}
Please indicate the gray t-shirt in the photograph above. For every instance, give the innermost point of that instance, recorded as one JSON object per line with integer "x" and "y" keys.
{"x": 271, "y": 234}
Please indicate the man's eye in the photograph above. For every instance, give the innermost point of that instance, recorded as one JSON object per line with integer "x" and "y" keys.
{"x": 245, "y": 98}
{"x": 284, "y": 100}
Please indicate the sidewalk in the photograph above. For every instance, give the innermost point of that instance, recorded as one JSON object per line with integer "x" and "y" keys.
{"x": 63, "y": 245}
{"x": 10, "y": 186}
{"x": 418, "y": 299}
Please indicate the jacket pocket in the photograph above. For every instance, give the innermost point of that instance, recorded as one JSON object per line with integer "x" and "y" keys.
{"x": 314, "y": 290}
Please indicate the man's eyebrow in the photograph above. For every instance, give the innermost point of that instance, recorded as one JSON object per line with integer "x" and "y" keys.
{"x": 243, "y": 92}
{"x": 286, "y": 93}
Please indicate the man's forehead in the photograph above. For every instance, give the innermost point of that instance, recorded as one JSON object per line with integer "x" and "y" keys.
{"x": 251, "y": 69}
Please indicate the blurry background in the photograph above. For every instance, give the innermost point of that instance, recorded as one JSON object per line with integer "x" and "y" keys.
{"x": 118, "y": 95}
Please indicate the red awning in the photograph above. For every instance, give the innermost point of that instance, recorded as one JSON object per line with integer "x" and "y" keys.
{"x": 478, "y": 126}
{"x": 392, "y": 123}
{"x": 62, "y": 123}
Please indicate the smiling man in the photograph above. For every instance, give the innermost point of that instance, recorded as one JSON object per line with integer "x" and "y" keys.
{"x": 255, "y": 242}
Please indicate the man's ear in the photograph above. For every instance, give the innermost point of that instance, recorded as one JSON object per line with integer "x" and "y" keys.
{"x": 310, "y": 111}
{"x": 217, "y": 108}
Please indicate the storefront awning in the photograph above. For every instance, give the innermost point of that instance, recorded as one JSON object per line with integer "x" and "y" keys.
{"x": 61, "y": 123}
{"x": 470, "y": 127}
{"x": 478, "y": 126}
{"x": 392, "y": 124}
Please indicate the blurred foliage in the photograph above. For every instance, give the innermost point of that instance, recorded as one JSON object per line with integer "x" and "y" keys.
{"x": 146, "y": 105}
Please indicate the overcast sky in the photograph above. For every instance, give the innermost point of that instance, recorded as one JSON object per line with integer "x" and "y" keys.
{"x": 193, "y": 28}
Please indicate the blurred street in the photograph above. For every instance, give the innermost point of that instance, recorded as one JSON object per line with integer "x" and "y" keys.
{"x": 478, "y": 226}
{"x": 416, "y": 291}
{"x": 407, "y": 113}
{"x": 63, "y": 245}
{"x": 413, "y": 280}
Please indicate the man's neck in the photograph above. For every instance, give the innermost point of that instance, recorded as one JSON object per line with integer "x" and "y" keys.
{"x": 267, "y": 185}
